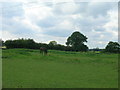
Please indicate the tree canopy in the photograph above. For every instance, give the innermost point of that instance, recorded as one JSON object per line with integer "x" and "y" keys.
{"x": 1, "y": 42}
{"x": 76, "y": 40}
{"x": 113, "y": 47}
{"x": 53, "y": 43}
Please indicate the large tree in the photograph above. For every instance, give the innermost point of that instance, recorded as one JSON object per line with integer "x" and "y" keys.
{"x": 76, "y": 40}
{"x": 113, "y": 47}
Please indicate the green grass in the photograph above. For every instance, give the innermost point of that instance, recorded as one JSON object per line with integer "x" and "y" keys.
{"x": 25, "y": 68}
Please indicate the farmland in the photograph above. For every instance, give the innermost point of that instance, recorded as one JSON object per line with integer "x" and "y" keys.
{"x": 27, "y": 68}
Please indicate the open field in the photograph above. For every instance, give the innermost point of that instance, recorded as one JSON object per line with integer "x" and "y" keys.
{"x": 25, "y": 68}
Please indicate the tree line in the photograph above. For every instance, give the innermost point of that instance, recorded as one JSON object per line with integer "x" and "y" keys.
{"x": 75, "y": 42}
{"x": 31, "y": 44}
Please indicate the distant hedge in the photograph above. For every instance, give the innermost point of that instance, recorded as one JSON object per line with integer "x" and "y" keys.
{"x": 31, "y": 44}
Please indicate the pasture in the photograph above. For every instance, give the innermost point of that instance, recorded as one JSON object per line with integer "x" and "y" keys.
{"x": 27, "y": 68}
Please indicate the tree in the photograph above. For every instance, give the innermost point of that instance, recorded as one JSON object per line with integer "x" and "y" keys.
{"x": 76, "y": 40}
{"x": 53, "y": 43}
{"x": 1, "y": 42}
{"x": 9, "y": 44}
{"x": 113, "y": 47}
{"x": 21, "y": 43}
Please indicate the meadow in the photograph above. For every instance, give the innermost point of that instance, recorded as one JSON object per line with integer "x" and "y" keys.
{"x": 27, "y": 68}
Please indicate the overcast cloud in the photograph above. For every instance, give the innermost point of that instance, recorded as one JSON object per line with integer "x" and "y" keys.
{"x": 48, "y": 21}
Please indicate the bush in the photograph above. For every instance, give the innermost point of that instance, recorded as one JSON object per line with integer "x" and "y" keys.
{"x": 112, "y": 47}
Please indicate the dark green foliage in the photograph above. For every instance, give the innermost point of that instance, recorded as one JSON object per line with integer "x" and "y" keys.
{"x": 1, "y": 42}
{"x": 76, "y": 41}
{"x": 51, "y": 46}
{"x": 53, "y": 43}
{"x": 113, "y": 47}
{"x": 81, "y": 47}
{"x": 56, "y": 47}
{"x": 20, "y": 43}
{"x": 9, "y": 44}
{"x": 31, "y": 44}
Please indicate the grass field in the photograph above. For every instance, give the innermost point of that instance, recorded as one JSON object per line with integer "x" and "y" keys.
{"x": 25, "y": 68}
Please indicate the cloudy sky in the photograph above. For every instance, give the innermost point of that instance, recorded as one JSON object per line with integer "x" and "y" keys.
{"x": 47, "y": 21}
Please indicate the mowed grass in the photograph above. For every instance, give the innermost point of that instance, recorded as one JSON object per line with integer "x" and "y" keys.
{"x": 25, "y": 68}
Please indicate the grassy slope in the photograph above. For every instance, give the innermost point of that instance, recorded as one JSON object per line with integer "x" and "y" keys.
{"x": 29, "y": 69}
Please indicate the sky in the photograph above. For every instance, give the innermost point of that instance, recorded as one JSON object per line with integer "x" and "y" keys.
{"x": 56, "y": 21}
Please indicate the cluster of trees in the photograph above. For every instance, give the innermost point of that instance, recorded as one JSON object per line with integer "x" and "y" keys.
{"x": 75, "y": 42}
{"x": 112, "y": 47}
{"x": 31, "y": 44}
{"x": 21, "y": 43}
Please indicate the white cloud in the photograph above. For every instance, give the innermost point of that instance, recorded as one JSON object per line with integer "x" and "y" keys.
{"x": 6, "y": 35}
{"x": 48, "y": 38}
{"x": 45, "y": 22}
{"x": 112, "y": 25}
{"x": 60, "y": 0}
{"x": 113, "y": 17}
{"x": 27, "y": 23}
{"x": 36, "y": 12}
{"x": 67, "y": 8}
{"x": 65, "y": 25}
